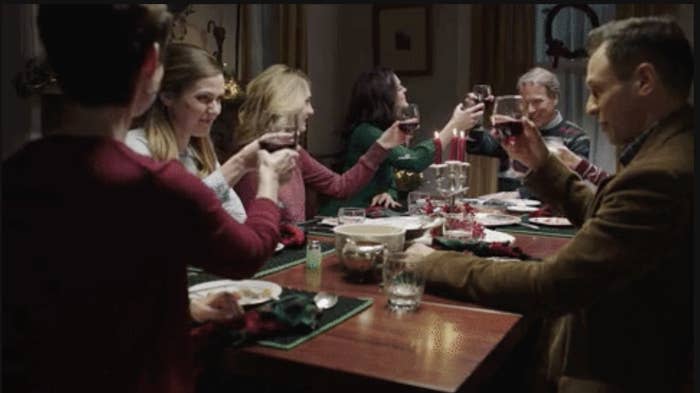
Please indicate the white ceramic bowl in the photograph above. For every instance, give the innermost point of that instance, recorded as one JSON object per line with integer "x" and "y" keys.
{"x": 392, "y": 237}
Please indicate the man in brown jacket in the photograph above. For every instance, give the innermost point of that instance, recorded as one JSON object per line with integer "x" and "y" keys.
{"x": 619, "y": 293}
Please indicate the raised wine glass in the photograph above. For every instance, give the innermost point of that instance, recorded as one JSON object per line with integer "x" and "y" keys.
{"x": 507, "y": 114}
{"x": 288, "y": 123}
{"x": 481, "y": 94}
{"x": 406, "y": 118}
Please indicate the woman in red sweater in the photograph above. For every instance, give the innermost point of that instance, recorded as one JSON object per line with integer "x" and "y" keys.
{"x": 96, "y": 238}
{"x": 281, "y": 92}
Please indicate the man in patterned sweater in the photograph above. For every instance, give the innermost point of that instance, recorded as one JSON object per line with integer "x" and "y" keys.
{"x": 540, "y": 91}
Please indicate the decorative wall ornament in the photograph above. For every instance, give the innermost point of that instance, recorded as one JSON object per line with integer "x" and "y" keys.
{"x": 555, "y": 47}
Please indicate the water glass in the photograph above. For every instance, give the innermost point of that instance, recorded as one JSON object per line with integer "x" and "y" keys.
{"x": 416, "y": 202}
{"x": 351, "y": 215}
{"x": 403, "y": 282}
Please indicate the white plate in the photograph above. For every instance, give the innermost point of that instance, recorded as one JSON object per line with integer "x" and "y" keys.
{"x": 521, "y": 209}
{"x": 332, "y": 221}
{"x": 279, "y": 247}
{"x": 494, "y": 220}
{"x": 491, "y": 236}
{"x": 406, "y": 222}
{"x": 523, "y": 202}
{"x": 551, "y": 221}
{"x": 250, "y": 291}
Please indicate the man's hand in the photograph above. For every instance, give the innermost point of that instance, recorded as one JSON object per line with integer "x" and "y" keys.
{"x": 528, "y": 147}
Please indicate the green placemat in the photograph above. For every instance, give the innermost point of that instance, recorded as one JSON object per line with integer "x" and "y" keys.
{"x": 346, "y": 308}
{"x": 287, "y": 258}
{"x": 283, "y": 260}
{"x": 543, "y": 231}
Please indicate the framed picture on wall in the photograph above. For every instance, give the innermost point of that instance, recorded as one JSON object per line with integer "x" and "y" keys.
{"x": 402, "y": 38}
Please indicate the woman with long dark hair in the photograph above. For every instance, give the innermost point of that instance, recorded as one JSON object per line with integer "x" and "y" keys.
{"x": 376, "y": 99}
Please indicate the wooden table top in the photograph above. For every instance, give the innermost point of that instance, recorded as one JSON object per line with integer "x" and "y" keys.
{"x": 445, "y": 346}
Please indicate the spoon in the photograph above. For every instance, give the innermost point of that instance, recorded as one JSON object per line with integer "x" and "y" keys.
{"x": 325, "y": 300}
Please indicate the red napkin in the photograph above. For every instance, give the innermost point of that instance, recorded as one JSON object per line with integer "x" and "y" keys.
{"x": 292, "y": 235}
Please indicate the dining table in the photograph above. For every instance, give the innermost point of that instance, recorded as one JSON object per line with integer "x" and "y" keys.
{"x": 446, "y": 345}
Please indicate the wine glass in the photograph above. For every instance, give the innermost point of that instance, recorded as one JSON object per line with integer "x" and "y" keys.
{"x": 507, "y": 112}
{"x": 482, "y": 92}
{"x": 288, "y": 123}
{"x": 409, "y": 112}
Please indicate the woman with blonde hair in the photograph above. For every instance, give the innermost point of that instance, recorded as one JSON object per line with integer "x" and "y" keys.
{"x": 280, "y": 97}
{"x": 179, "y": 123}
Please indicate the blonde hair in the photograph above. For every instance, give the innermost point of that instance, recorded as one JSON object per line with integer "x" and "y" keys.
{"x": 184, "y": 65}
{"x": 276, "y": 92}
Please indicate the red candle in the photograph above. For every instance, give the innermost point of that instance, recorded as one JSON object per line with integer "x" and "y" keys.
{"x": 438, "y": 149}
{"x": 453, "y": 145}
{"x": 462, "y": 147}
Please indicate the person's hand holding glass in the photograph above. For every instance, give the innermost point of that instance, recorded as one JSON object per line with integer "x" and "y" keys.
{"x": 287, "y": 124}
{"x": 518, "y": 136}
{"x": 409, "y": 119}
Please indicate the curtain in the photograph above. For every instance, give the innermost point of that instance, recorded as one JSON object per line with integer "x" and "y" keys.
{"x": 499, "y": 54}
{"x": 292, "y": 36}
{"x": 636, "y": 10}
{"x": 572, "y": 26}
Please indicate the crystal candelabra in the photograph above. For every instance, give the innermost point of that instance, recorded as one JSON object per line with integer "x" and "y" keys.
{"x": 451, "y": 179}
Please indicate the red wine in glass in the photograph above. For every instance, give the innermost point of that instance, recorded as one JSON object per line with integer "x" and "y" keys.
{"x": 272, "y": 145}
{"x": 409, "y": 112}
{"x": 408, "y": 127}
{"x": 509, "y": 128}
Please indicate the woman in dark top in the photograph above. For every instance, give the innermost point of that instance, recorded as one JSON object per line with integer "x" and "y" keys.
{"x": 377, "y": 96}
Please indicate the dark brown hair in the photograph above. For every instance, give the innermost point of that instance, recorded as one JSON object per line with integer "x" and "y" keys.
{"x": 657, "y": 40}
{"x": 101, "y": 70}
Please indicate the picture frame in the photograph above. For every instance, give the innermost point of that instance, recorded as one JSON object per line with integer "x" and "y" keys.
{"x": 402, "y": 38}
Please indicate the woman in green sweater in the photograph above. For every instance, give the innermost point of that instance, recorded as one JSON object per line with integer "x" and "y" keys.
{"x": 376, "y": 99}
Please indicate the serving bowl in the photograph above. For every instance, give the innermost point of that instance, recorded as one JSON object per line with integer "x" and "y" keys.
{"x": 369, "y": 241}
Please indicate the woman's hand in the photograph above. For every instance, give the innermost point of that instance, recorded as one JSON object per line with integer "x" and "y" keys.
{"x": 466, "y": 118}
{"x": 528, "y": 147}
{"x": 216, "y": 307}
{"x": 278, "y": 165}
{"x": 392, "y": 137}
{"x": 384, "y": 200}
{"x": 249, "y": 154}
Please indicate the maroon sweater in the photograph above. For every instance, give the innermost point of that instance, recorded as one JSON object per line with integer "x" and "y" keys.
{"x": 95, "y": 242}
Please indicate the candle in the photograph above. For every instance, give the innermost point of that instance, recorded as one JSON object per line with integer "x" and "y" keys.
{"x": 438, "y": 149}
{"x": 453, "y": 145}
{"x": 462, "y": 147}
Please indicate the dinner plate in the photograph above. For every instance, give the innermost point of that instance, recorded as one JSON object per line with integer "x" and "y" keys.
{"x": 495, "y": 219}
{"x": 491, "y": 236}
{"x": 331, "y": 221}
{"x": 406, "y": 222}
{"x": 551, "y": 221}
{"x": 279, "y": 247}
{"x": 521, "y": 209}
{"x": 250, "y": 291}
{"x": 523, "y": 202}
